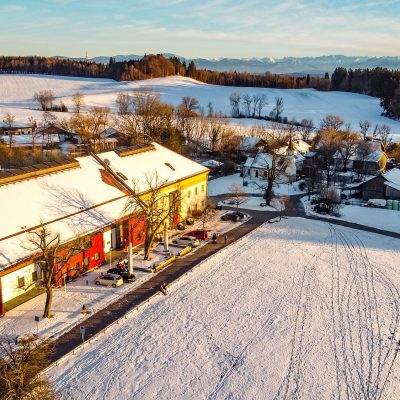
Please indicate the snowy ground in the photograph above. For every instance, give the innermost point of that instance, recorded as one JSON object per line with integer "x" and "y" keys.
{"x": 67, "y": 304}
{"x": 388, "y": 220}
{"x": 221, "y": 185}
{"x": 296, "y": 309}
{"x": 250, "y": 203}
{"x": 17, "y": 92}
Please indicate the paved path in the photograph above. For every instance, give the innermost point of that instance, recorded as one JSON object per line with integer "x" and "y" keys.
{"x": 105, "y": 317}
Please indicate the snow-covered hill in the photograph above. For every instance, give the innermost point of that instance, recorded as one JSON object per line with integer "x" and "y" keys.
{"x": 16, "y": 93}
{"x": 296, "y": 309}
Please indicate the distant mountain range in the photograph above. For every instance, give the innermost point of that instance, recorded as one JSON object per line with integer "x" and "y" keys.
{"x": 287, "y": 65}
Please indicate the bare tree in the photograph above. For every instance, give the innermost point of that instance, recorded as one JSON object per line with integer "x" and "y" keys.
{"x": 218, "y": 132}
{"x": 78, "y": 99}
{"x": 247, "y": 101}
{"x": 275, "y": 162}
{"x": 52, "y": 258}
{"x": 331, "y": 123}
{"x": 278, "y": 108}
{"x": 9, "y": 120}
{"x": 21, "y": 361}
{"x": 384, "y": 135}
{"x": 348, "y": 146}
{"x": 210, "y": 109}
{"x": 306, "y": 128}
{"x": 155, "y": 117}
{"x": 156, "y": 206}
{"x": 123, "y": 102}
{"x": 236, "y": 195}
{"x": 363, "y": 150}
{"x": 127, "y": 125}
{"x": 206, "y": 214}
{"x": 261, "y": 103}
{"x": 189, "y": 105}
{"x": 327, "y": 143}
{"x": 90, "y": 125}
{"x": 45, "y": 98}
{"x": 364, "y": 128}
{"x": 234, "y": 100}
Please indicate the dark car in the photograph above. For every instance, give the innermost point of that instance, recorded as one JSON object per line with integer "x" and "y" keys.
{"x": 230, "y": 217}
{"x": 123, "y": 273}
{"x": 198, "y": 234}
{"x": 239, "y": 214}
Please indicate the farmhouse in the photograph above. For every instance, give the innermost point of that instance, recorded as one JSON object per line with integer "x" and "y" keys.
{"x": 82, "y": 199}
{"x": 17, "y": 128}
{"x": 385, "y": 186}
{"x": 368, "y": 160}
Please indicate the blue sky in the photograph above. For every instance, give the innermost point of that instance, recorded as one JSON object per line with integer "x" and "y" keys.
{"x": 206, "y": 28}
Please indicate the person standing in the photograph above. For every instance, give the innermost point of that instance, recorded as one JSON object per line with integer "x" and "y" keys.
{"x": 226, "y": 238}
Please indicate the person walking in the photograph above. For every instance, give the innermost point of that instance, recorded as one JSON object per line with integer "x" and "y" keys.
{"x": 226, "y": 238}
{"x": 163, "y": 289}
{"x": 214, "y": 237}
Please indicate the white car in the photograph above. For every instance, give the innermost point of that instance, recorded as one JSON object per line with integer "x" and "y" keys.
{"x": 187, "y": 241}
{"x": 113, "y": 280}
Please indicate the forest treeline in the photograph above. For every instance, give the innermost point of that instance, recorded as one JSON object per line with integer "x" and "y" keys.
{"x": 378, "y": 82}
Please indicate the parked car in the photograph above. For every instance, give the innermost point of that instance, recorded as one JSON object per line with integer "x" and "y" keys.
{"x": 198, "y": 234}
{"x": 230, "y": 217}
{"x": 123, "y": 273}
{"x": 187, "y": 241}
{"x": 239, "y": 214}
{"x": 113, "y": 280}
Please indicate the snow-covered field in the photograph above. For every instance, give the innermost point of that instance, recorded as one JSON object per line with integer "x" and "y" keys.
{"x": 296, "y": 309}
{"x": 388, "y": 220}
{"x": 16, "y": 93}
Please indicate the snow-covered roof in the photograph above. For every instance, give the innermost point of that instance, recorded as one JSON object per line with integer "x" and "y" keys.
{"x": 15, "y": 125}
{"x": 310, "y": 154}
{"x": 262, "y": 160}
{"x": 392, "y": 178}
{"x": 301, "y": 146}
{"x": 374, "y": 156}
{"x": 84, "y": 191}
{"x": 249, "y": 161}
{"x": 44, "y": 128}
{"x": 249, "y": 142}
{"x": 212, "y": 163}
{"x": 108, "y": 132}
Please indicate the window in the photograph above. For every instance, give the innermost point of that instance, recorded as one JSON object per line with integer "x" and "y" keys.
{"x": 86, "y": 261}
{"x": 34, "y": 276}
{"x": 256, "y": 173}
{"x": 97, "y": 256}
{"x": 195, "y": 191}
{"x": 202, "y": 188}
{"x": 188, "y": 194}
{"x": 21, "y": 282}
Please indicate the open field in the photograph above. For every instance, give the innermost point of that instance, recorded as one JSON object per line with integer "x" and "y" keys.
{"x": 296, "y": 309}
{"x": 16, "y": 97}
